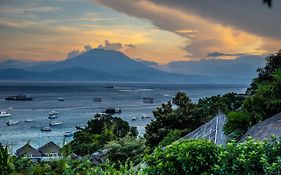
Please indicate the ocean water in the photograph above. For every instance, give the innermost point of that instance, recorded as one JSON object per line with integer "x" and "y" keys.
{"x": 79, "y": 107}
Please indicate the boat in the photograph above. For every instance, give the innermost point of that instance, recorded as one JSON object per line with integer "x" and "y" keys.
{"x": 20, "y": 97}
{"x": 46, "y": 128}
{"x": 112, "y": 111}
{"x": 68, "y": 134}
{"x": 10, "y": 108}
{"x": 100, "y": 114}
{"x": 109, "y": 87}
{"x": 53, "y": 113}
{"x": 28, "y": 120}
{"x": 53, "y": 116}
{"x": 145, "y": 116}
{"x": 60, "y": 99}
{"x": 12, "y": 122}
{"x": 134, "y": 118}
{"x": 97, "y": 99}
{"x": 4, "y": 114}
{"x": 148, "y": 100}
{"x": 55, "y": 123}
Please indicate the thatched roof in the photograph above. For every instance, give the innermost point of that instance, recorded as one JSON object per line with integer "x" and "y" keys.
{"x": 50, "y": 147}
{"x": 265, "y": 129}
{"x": 213, "y": 130}
{"x": 28, "y": 150}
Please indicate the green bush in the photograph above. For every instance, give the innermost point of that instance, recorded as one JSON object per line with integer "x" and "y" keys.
{"x": 173, "y": 135}
{"x": 183, "y": 158}
{"x": 250, "y": 157}
{"x": 237, "y": 124}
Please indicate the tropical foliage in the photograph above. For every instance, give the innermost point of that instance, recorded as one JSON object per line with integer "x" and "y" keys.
{"x": 98, "y": 132}
{"x": 187, "y": 116}
{"x": 264, "y": 98}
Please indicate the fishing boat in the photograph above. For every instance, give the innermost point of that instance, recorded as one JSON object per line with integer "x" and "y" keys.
{"x": 46, "y": 128}
{"x": 53, "y": 116}
{"x": 60, "y": 99}
{"x": 112, "y": 111}
{"x": 4, "y": 114}
{"x": 55, "y": 123}
{"x": 143, "y": 116}
{"x": 12, "y": 122}
{"x": 20, "y": 97}
{"x": 68, "y": 134}
{"x": 28, "y": 120}
{"x": 53, "y": 113}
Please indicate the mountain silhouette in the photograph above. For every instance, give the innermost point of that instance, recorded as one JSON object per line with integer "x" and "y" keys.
{"x": 103, "y": 66}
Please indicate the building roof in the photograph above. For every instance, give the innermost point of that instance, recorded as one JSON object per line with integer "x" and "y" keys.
{"x": 50, "y": 147}
{"x": 213, "y": 130}
{"x": 265, "y": 129}
{"x": 27, "y": 149}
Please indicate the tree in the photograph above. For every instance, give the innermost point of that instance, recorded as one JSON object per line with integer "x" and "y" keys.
{"x": 125, "y": 149}
{"x": 273, "y": 63}
{"x": 237, "y": 124}
{"x": 97, "y": 133}
{"x": 6, "y": 161}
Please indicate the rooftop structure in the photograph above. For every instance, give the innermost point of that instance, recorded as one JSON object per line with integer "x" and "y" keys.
{"x": 213, "y": 130}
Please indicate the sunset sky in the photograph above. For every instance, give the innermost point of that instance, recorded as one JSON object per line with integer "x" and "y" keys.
{"x": 156, "y": 30}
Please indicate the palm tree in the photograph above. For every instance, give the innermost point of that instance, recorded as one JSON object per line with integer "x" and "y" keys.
{"x": 6, "y": 161}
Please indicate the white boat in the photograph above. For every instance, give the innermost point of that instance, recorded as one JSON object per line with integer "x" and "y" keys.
{"x": 134, "y": 118}
{"x": 68, "y": 134}
{"x": 55, "y": 123}
{"x": 28, "y": 120}
{"x": 53, "y": 116}
{"x": 4, "y": 114}
{"x": 10, "y": 108}
{"x": 12, "y": 122}
{"x": 53, "y": 113}
{"x": 46, "y": 128}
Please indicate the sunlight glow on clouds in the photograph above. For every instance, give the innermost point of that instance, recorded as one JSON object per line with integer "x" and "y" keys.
{"x": 161, "y": 31}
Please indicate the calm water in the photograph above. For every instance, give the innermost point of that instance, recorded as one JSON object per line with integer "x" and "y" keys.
{"x": 79, "y": 107}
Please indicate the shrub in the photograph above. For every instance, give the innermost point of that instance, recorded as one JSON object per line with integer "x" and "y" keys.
{"x": 237, "y": 124}
{"x": 183, "y": 158}
{"x": 250, "y": 157}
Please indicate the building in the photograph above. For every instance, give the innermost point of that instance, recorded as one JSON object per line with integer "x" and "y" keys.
{"x": 47, "y": 152}
{"x": 213, "y": 130}
{"x": 30, "y": 152}
{"x": 50, "y": 151}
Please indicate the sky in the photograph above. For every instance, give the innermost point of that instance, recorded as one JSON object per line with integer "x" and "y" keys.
{"x": 162, "y": 31}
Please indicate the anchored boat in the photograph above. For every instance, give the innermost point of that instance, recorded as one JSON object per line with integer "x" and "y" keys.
{"x": 4, "y": 114}
{"x": 20, "y": 97}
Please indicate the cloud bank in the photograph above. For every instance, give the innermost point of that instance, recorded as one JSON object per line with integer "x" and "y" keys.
{"x": 242, "y": 26}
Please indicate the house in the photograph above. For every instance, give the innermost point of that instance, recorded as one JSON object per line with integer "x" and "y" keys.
{"x": 30, "y": 152}
{"x": 50, "y": 151}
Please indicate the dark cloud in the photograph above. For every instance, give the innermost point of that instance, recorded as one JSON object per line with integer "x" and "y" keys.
{"x": 248, "y": 15}
{"x": 220, "y": 54}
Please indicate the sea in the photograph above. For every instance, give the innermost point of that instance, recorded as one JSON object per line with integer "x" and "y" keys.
{"x": 79, "y": 107}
